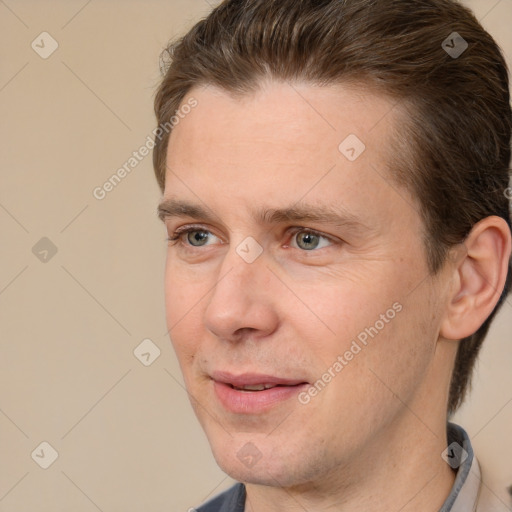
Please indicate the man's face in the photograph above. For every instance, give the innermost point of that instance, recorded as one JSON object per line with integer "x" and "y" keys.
{"x": 303, "y": 269}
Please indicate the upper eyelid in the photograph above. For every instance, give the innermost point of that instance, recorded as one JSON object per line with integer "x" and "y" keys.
{"x": 188, "y": 227}
{"x": 191, "y": 227}
{"x": 294, "y": 229}
{"x": 299, "y": 229}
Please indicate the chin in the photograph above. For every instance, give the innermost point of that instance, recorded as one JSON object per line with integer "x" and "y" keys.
{"x": 264, "y": 463}
{"x": 260, "y": 474}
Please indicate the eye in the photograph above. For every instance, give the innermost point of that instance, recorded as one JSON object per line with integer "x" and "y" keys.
{"x": 194, "y": 237}
{"x": 307, "y": 240}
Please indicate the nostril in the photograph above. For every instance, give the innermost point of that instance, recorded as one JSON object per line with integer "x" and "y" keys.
{"x": 244, "y": 331}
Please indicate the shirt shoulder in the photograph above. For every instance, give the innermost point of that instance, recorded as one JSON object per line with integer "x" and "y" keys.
{"x": 232, "y": 500}
{"x": 488, "y": 501}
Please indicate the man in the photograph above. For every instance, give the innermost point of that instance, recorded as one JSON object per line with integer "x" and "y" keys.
{"x": 339, "y": 242}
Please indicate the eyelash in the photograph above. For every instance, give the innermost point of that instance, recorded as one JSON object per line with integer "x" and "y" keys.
{"x": 180, "y": 232}
{"x": 183, "y": 231}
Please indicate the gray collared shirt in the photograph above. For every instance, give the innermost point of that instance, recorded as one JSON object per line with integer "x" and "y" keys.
{"x": 469, "y": 492}
{"x": 467, "y": 495}
{"x": 466, "y": 488}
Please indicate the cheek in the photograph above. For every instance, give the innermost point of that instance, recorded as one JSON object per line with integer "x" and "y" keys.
{"x": 375, "y": 325}
{"x": 349, "y": 309}
{"x": 183, "y": 314}
{"x": 183, "y": 293}
{"x": 374, "y": 379}
{"x": 397, "y": 350}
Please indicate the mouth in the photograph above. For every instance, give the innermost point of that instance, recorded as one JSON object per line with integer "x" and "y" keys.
{"x": 254, "y": 381}
{"x": 252, "y": 393}
{"x": 260, "y": 387}
{"x": 257, "y": 387}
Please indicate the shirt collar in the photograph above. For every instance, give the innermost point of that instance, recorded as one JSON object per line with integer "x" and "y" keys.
{"x": 466, "y": 489}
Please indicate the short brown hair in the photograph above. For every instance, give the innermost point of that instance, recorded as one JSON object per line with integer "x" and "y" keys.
{"x": 455, "y": 142}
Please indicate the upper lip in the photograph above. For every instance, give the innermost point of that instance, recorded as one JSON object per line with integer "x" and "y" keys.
{"x": 253, "y": 379}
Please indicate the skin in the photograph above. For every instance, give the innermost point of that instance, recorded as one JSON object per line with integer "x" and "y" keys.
{"x": 293, "y": 310}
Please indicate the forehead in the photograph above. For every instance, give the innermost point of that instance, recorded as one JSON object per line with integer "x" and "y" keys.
{"x": 285, "y": 115}
{"x": 285, "y": 142}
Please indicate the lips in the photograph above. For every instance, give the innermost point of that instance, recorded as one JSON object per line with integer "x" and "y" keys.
{"x": 252, "y": 393}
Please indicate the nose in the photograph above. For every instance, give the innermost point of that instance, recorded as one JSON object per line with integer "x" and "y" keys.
{"x": 242, "y": 302}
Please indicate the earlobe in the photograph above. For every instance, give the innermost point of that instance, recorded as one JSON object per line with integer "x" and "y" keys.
{"x": 479, "y": 278}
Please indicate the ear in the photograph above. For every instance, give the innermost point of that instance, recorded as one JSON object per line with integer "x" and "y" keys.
{"x": 479, "y": 276}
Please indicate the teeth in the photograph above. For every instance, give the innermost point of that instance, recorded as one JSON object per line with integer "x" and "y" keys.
{"x": 257, "y": 387}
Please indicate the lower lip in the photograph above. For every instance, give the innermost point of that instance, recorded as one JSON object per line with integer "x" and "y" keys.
{"x": 254, "y": 402}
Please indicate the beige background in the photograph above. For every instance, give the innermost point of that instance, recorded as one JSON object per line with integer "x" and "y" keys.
{"x": 124, "y": 432}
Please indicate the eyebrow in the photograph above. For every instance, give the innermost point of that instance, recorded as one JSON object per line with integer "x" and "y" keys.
{"x": 308, "y": 213}
{"x": 336, "y": 216}
{"x": 175, "y": 208}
